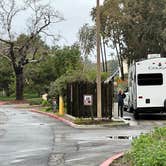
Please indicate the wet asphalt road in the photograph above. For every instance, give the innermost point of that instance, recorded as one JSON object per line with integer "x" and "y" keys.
{"x": 24, "y": 138}
{"x": 31, "y": 139}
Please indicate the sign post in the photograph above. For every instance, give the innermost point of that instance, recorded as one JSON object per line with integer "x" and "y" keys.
{"x": 88, "y": 101}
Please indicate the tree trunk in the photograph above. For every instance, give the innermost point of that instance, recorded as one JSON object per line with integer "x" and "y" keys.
{"x": 105, "y": 55}
{"x": 122, "y": 72}
{"x": 7, "y": 92}
{"x": 19, "y": 84}
{"x": 102, "y": 56}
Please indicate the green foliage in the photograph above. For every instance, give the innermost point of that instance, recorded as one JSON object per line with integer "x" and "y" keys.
{"x": 30, "y": 95}
{"x": 6, "y": 76}
{"x": 87, "y": 42}
{"x": 144, "y": 25}
{"x": 87, "y": 39}
{"x": 35, "y": 101}
{"x": 23, "y": 49}
{"x": 58, "y": 87}
{"x": 45, "y": 103}
{"x": 27, "y": 96}
{"x": 149, "y": 149}
{"x": 57, "y": 63}
{"x": 134, "y": 27}
{"x": 66, "y": 59}
{"x": 7, "y": 98}
{"x": 49, "y": 109}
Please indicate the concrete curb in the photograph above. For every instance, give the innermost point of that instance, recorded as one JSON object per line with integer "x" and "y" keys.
{"x": 2, "y": 102}
{"x": 71, "y": 124}
{"x": 67, "y": 122}
{"x": 111, "y": 159}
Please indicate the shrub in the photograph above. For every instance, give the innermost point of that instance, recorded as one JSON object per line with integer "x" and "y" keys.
{"x": 35, "y": 101}
{"x": 59, "y": 86}
{"x": 49, "y": 109}
{"x": 149, "y": 149}
{"x": 45, "y": 103}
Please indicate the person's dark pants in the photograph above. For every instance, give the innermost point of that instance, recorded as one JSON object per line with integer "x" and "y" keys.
{"x": 54, "y": 108}
{"x": 120, "y": 110}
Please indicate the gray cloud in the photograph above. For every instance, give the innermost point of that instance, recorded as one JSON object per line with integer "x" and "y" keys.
{"x": 76, "y": 13}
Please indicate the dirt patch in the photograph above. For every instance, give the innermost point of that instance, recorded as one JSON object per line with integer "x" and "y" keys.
{"x": 122, "y": 161}
{"x": 13, "y": 102}
{"x": 105, "y": 122}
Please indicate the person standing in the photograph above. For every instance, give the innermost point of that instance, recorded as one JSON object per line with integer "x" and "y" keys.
{"x": 121, "y": 97}
{"x": 54, "y": 104}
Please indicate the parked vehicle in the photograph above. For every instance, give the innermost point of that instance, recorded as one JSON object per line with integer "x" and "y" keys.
{"x": 147, "y": 85}
{"x": 126, "y": 101}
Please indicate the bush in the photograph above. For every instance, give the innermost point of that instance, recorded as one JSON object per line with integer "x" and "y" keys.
{"x": 59, "y": 86}
{"x": 35, "y": 101}
{"x": 45, "y": 103}
{"x": 49, "y": 109}
{"x": 149, "y": 149}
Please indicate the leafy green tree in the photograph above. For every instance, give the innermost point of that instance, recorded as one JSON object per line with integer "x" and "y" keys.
{"x": 59, "y": 62}
{"x": 22, "y": 51}
{"x": 6, "y": 76}
{"x": 112, "y": 28}
{"x": 144, "y": 27}
{"x": 135, "y": 27}
{"x": 66, "y": 59}
{"x": 59, "y": 86}
{"x": 87, "y": 39}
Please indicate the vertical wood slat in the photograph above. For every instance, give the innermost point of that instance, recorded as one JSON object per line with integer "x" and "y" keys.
{"x": 75, "y": 93}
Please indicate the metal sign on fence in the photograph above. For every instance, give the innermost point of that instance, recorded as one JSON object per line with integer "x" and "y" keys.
{"x": 88, "y": 100}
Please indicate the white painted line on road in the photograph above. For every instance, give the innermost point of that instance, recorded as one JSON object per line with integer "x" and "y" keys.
{"x": 86, "y": 156}
{"x": 16, "y": 161}
{"x": 76, "y": 159}
{"x": 20, "y": 154}
{"x": 33, "y": 150}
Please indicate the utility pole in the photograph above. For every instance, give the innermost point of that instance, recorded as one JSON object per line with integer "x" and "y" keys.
{"x": 99, "y": 114}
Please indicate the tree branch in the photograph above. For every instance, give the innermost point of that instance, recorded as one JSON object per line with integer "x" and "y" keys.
{"x": 5, "y": 56}
{"x": 6, "y": 41}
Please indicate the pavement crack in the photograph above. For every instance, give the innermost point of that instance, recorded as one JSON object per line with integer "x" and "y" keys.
{"x": 77, "y": 147}
{"x": 56, "y": 159}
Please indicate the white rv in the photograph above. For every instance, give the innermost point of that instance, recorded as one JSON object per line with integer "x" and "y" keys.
{"x": 147, "y": 85}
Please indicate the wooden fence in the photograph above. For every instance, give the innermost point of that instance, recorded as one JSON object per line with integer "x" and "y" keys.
{"x": 77, "y": 92}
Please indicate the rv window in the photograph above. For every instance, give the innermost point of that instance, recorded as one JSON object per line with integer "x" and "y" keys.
{"x": 150, "y": 79}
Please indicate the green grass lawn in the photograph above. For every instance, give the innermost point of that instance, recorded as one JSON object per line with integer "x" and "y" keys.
{"x": 31, "y": 98}
{"x": 5, "y": 98}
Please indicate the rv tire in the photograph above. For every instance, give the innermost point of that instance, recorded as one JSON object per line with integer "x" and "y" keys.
{"x": 165, "y": 105}
{"x": 131, "y": 109}
{"x": 136, "y": 114}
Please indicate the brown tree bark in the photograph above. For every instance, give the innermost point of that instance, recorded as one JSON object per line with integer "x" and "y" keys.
{"x": 19, "y": 84}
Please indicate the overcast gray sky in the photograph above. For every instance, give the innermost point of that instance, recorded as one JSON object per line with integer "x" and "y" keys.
{"x": 76, "y": 13}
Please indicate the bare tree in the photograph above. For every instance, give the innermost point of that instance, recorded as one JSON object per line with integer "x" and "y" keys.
{"x": 42, "y": 16}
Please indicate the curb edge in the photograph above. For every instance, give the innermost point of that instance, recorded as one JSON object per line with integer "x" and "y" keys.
{"x": 111, "y": 159}
{"x": 2, "y": 102}
{"x": 69, "y": 123}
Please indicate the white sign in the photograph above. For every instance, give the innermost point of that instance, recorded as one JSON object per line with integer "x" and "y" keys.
{"x": 88, "y": 100}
